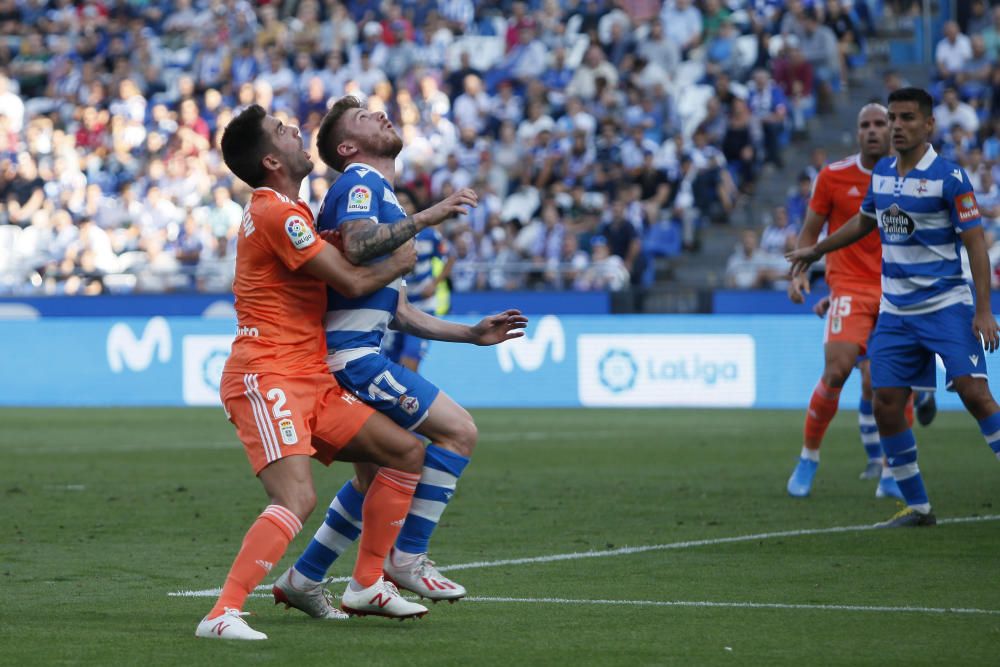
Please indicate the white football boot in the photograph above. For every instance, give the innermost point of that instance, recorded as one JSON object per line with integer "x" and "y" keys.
{"x": 229, "y": 625}
{"x": 421, "y": 577}
{"x": 380, "y": 599}
{"x": 312, "y": 597}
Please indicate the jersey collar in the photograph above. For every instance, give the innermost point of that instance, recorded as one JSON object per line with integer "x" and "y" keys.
{"x": 363, "y": 165}
{"x": 861, "y": 167}
{"x": 927, "y": 159}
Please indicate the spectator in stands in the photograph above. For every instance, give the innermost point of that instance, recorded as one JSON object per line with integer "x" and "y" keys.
{"x": 739, "y": 146}
{"x": 768, "y": 106}
{"x": 794, "y": 74}
{"x": 594, "y": 67}
{"x": 952, "y": 52}
{"x": 953, "y": 111}
{"x": 974, "y": 79}
{"x": 624, "y": 240}
{"x": 607, "y": 271}
{"x": 779, "y": 235}
{"x": 682, "y": 22}
{"x": 991, "y": 36}
{"x": 11, "y": 105}
{"x": 819, "y": 47}
{"x": 565, "y": 269}
{"x": 750, "y": 267}
{"x": 798, "y": 200}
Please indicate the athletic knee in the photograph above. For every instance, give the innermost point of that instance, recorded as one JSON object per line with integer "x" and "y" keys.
{"x": 835, "y": 375}
{"x": 978, "y": 400}
{"x": 409, "y": 458}
{"x": 461, "y": 437}
{"x": 888, "y": 411}
{"x": 300, "y": 501}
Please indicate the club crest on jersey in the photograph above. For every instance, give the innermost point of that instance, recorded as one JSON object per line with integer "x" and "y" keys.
{"x": 897, "y": 224}
{"x": 287, "y": 428}
{"x": 299, "y": 232}
{"x": 410, "y": 404}
{"x": 967, "y": 207}
{"x": 359, "y": 199}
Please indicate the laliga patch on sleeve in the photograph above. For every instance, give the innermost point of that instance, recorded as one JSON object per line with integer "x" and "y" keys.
{"x": 966, "y": 206}
{"x": 359, "y": 199}
{"x": 299, "y": 232}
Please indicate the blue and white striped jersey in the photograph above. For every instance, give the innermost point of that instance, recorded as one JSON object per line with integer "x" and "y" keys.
{"x": 920, "y": 217}
{"x": 354, "y": 327}
{"x": 429, "y": 245}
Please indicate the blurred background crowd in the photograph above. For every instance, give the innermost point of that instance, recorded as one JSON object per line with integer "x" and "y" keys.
{"x": 600, "y": 135}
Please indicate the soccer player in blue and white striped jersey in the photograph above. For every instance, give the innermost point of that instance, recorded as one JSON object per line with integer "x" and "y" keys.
{"x": 361, "y": 209}
{"x": 924, "y": 207}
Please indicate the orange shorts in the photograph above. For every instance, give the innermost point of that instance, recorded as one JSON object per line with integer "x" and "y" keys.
{"x": 281, "y": 415}
{"x": 851, "y": 317}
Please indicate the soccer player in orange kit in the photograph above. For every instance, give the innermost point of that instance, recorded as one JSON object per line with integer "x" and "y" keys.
{"x": 276, "y": 387}
{"x": 854, "y": 275}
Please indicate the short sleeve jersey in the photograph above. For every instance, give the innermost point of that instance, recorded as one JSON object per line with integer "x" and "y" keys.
{"x": 356, "y": 326}
{"x": 279, "y": 309}
{"x": 920, "y": 217}
{"x": 837, "y": 195}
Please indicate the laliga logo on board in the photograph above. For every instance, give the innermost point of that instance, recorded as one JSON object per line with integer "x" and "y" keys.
{"x": 617, "y": 370}
{"x": 528, "y": 352}
{"x": 125, "y": 350}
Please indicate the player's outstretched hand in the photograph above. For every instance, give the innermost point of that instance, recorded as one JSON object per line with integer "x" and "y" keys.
{"x": 500, "y": 327}
{"x": 801, "y": 259}
{"x": 797, "y": 287}
{"x": 985, "y": 326}
{"x": 455, "y": 204}
{"x": 822, "y": 306}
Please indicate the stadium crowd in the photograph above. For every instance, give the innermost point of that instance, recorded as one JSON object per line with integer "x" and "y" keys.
{"x": 599, "y": 134}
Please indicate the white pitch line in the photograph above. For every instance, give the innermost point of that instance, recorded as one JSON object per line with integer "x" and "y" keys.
{"x": 627, "y": 551}
{"x": 742, "y": 605}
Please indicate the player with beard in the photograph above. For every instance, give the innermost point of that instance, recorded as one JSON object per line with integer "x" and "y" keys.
{"x": 854, "y": 275}
{"x": 277, "y": 391}
{"x": 362, "y": 210}
{"x": 925, "y": 209}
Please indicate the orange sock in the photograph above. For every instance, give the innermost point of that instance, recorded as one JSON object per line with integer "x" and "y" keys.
{"x": 386, "y": 505}
{"x": 822, "y": 408}
{"x": 264, "y": 545}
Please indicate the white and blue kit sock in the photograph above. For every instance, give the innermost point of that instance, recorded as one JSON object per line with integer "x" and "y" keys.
{"x": 442, "y": 468}
{"x": 340, "y": 528}
{"x": 990, "y": 428}
{"x": 901, "y": 452}
{"x": 869, "y": 431}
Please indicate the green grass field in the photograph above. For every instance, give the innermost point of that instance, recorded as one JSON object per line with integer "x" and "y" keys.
{"x": 105, "y": 512}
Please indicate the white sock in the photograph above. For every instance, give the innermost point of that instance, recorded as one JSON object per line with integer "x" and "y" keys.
{"x": 355, "y": 586}
{"x": 402, "y": 558}
{"x": 922, "y": 508}
{"x": 810, "y": 454}
{"x": 886, "y": 472}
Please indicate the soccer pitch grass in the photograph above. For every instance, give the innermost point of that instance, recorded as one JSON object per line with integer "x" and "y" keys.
{"x": 106, "y": 512}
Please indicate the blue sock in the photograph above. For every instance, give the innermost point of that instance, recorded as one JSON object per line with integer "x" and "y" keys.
{"x": 990, "y": 428}
{"x": 901, "y": 451}
{"x": 338, "y": 532}
{"x": 442, "y": 468}
{"x": 869, "y": 431}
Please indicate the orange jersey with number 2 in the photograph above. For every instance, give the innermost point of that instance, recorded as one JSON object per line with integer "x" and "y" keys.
{"x": 279, "y": 308}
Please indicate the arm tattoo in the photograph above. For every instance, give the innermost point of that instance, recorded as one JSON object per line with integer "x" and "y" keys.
{"x": 365, "y": 240}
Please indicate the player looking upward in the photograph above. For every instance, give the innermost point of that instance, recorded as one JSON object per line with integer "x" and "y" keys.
{"x": 362, "y": 208}
{"x": 923, "y": 206}
{"x": 277, "y": 390}
{"x": 854, "y": 276}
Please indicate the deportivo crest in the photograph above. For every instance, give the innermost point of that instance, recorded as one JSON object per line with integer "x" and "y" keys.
{"x": 359, "y": 199}
{"x": 287, "y": 428}
{"x": 896, "y": 223}
{"x": 299, "y": 232}
{"x": 966, "y": 206}
{"x": 410, "y": 404}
